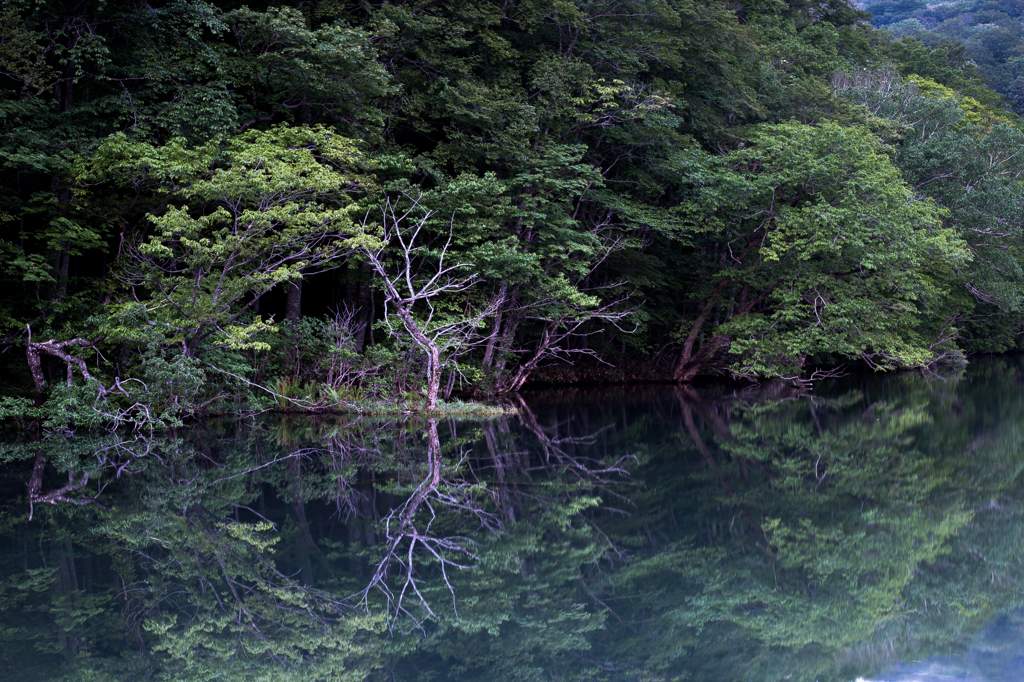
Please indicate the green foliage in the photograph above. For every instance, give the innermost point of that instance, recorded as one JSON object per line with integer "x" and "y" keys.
{"x": 693, "y": 187}
{"x": 275, "y": 203}
{"x": 848, "y": 261}
{"x": 966, "y": 160}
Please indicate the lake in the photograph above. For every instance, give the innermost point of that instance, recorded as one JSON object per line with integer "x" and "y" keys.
{"x": 871, "y": 528}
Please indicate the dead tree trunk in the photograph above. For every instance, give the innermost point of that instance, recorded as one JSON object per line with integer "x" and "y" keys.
{"x": 413, "y": 278}
{"x": 55, "y": 348}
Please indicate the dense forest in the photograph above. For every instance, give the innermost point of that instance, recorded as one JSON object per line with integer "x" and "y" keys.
{"x": 211, "y": 206}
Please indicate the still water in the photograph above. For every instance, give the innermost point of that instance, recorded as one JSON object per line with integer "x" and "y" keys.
{"x": 872, "y": 529}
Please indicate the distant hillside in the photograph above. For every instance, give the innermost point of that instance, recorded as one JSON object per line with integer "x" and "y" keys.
{"x": 989, "y": 32}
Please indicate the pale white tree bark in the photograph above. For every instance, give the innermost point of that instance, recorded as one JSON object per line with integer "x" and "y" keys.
{"x": 413, "y": 280}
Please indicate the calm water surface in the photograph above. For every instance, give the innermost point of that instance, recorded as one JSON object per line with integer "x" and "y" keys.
{"x": 871, "y": 529}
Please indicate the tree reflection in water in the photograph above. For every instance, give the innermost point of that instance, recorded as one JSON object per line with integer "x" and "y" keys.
{"x": 631, "y": 534}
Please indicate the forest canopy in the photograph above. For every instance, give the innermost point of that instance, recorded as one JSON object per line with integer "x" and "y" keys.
{"x": 214, "y": 207}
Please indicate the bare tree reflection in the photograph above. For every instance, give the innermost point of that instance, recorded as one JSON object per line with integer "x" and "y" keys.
{"x": 223, "y": 530}
{"x": 405, "y": 539}
{"x": 62, "y": 494}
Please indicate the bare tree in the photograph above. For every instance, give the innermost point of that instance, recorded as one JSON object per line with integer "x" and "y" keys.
{"x": 417, "y": 275}
{"x": 416, "y": 278}
{"x": 57, "y": 349}
{"x": 136, "y": 414}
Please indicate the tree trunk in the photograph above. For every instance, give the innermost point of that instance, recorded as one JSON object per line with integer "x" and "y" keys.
{"x": 371, "y": 314}
{"x": 505, "y": 342}
{"x": 450, "y": 386}
{"x": 360, "y": 282}
{"x": 35, "y": 365}
{"x": 430, "y": 348}
{"x": 293, "y": 306}
{"x": 62, "y": 266}
{"x": 63, "y": 270}
{"x": 698, "y": 361}
{"x": 434, "y": 451}
{"x": 492, "y": 340}
{"x": 685, "y": 368}
{"x": 56, "y": 349}
{"x": 433, "y": 376}
{"x": 689, "y": 363}
{"x": 525, "y": 369}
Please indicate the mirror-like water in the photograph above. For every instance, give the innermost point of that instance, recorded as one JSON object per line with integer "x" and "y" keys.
{"x": 871, "y": 529}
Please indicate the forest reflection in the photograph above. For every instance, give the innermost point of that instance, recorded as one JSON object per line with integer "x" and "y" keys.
{"x": 644, "y": 533}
